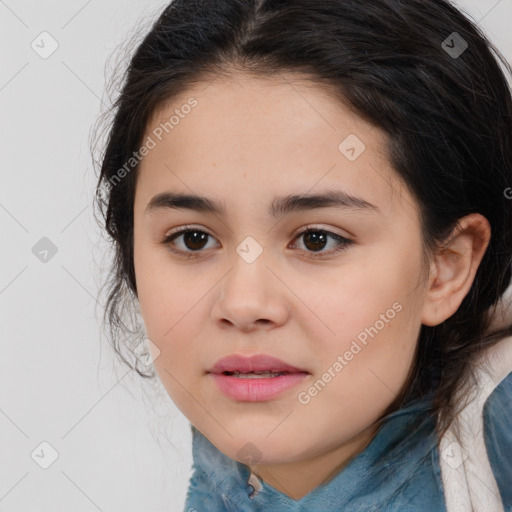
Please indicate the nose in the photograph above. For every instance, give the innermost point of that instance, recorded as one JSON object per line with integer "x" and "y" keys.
{"x": 251, "y": 296}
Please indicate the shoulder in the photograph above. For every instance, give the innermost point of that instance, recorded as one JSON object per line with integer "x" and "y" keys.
{"x": 497, "y": 420}
{"x": 477, "y": 472}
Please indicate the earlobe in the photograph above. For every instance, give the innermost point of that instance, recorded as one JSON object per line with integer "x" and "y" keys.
{"x": 454, "y": 268}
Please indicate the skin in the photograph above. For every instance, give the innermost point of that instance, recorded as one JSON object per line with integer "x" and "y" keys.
{"x": 248, "y": 141}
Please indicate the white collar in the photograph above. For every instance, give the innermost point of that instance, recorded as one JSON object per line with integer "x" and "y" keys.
{"x": 468, "y": 480}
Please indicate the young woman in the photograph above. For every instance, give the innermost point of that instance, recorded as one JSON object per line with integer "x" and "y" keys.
{"x": 310, "y": 202}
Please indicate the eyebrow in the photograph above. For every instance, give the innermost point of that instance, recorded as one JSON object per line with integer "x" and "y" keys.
{"x": 279, "y": 206}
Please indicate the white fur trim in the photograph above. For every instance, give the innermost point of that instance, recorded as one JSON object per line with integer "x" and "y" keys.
{"x": 468, "y": 481}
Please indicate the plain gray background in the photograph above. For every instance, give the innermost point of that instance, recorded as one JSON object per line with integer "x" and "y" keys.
{"x": 118, "y": 450}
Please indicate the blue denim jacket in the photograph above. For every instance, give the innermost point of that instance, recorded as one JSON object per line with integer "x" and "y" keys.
{"x": 408, "y": 480}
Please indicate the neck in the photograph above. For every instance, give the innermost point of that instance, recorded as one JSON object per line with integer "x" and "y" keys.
{"x": 296, "y": 479}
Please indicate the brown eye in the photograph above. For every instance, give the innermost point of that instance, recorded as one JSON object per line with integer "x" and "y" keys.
{"x": 195, "y": 240}
{"x": 315, "y": 240}
{"x": 187, "y": 241}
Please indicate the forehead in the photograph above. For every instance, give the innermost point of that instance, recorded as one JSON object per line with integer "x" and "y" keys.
{"x": 260, "y": 138}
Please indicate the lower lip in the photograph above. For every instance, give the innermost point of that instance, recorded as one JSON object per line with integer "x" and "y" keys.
{"x": 256, "y": 389}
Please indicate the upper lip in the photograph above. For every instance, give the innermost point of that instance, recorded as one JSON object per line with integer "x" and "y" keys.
{"x": 254, "y": 363}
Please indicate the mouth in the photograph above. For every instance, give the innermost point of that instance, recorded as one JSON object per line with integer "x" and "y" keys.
{"x": 254, "y": 366}
{"x": 254, "y": 375}
{"x": 256, "y": 378}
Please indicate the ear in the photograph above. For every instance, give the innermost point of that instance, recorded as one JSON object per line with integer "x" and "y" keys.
{"x": 454, "y": 267}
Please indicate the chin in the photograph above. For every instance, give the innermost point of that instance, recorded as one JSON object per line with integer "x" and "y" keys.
{"x": 255, "y": 449}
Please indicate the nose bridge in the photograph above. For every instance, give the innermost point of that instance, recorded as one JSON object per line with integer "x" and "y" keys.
{"x": 249, "y": 274}
{"x": 249, "y": 292}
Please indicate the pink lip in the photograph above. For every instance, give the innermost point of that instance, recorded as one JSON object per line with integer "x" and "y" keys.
{"x": 256, "y": 363}
{"x": 254, "y": 389}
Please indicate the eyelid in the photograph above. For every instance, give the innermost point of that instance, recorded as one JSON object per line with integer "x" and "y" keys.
{"x": 295, "y": 234}
{"x": 317, "y": 227}
{"x": 185, "y": 227}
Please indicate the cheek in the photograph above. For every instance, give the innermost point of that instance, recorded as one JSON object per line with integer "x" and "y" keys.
{"x": 167, "y": 292}
{"x": 174, "y": 306}
{"x": 170, "y": 303}
{"x": 365, "y": 299}
{"x": 165, "y": 306}
{"x": 373, "y": 311}
{"x": 363, "y": 366}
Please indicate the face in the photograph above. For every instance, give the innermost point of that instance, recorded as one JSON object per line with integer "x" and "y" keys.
{"x": 331, "y": 286}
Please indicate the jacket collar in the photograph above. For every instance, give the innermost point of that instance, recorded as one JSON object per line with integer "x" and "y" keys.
{"x": 404, "y": 444}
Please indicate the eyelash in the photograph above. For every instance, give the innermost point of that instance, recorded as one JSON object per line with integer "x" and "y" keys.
{"x": 343, "y": 242}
